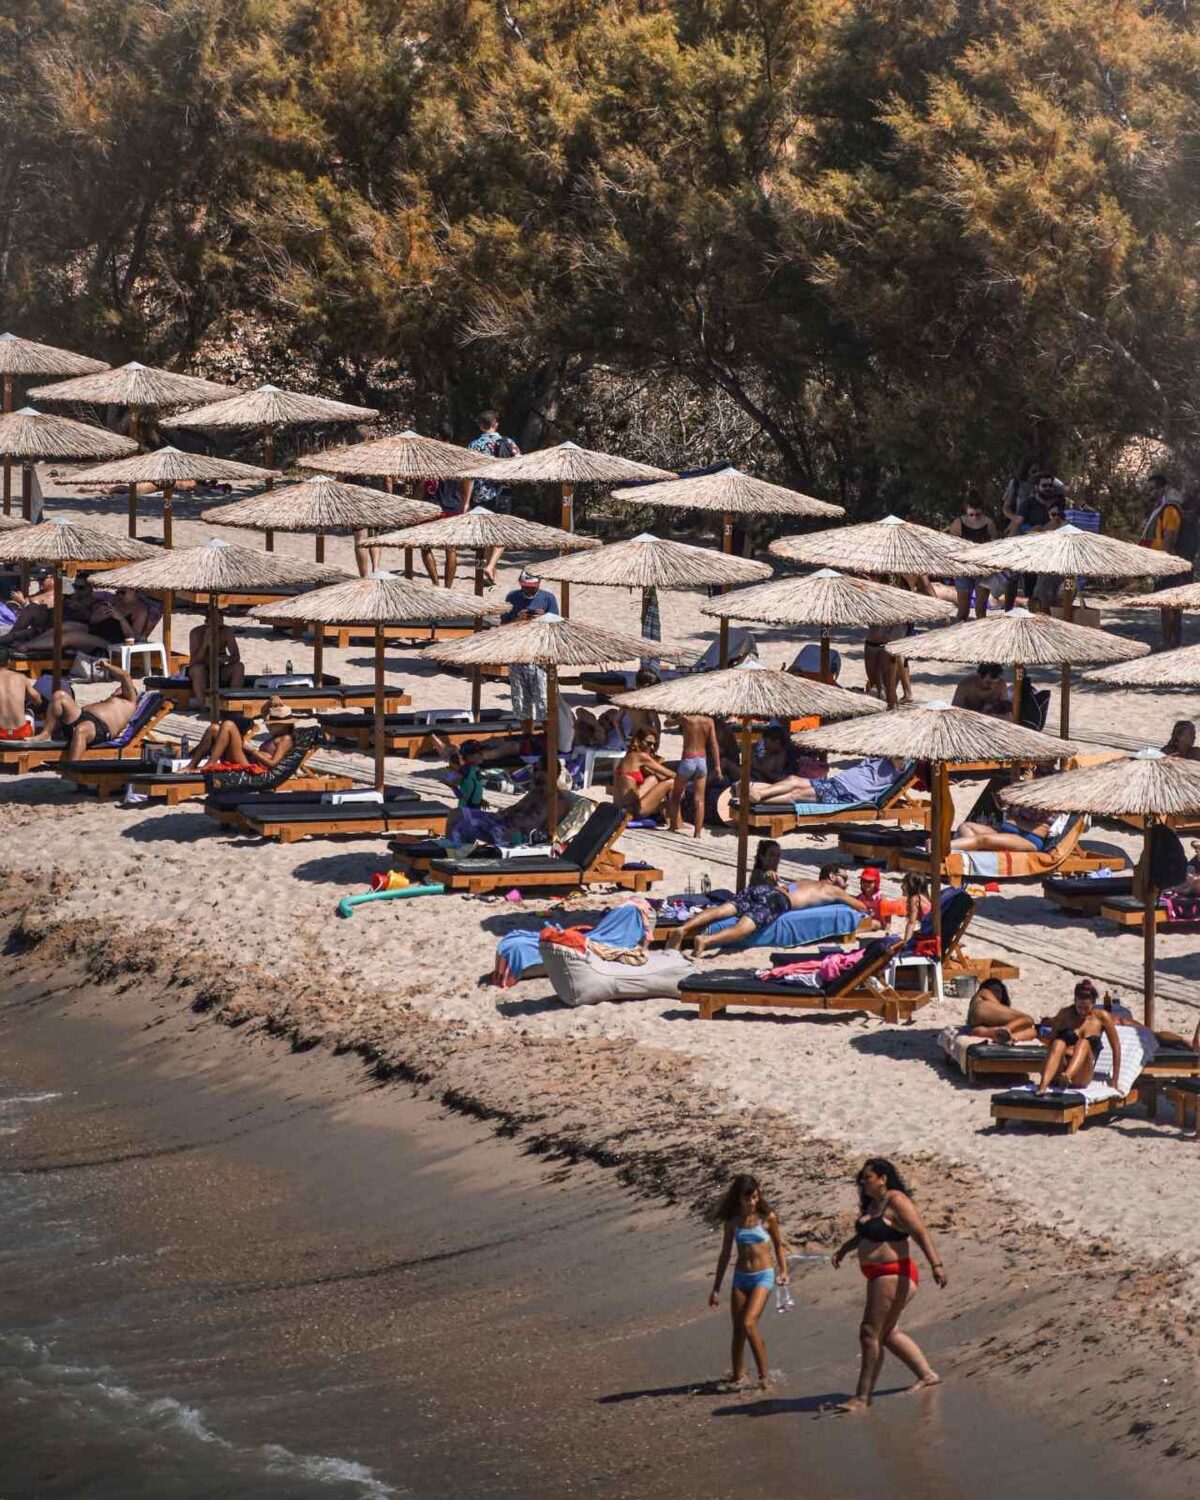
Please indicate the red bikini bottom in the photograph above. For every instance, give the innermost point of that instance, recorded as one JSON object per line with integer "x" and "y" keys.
{"x": 872, "y": 1270}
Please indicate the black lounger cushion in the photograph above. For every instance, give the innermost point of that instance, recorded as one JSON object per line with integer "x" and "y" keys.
{"x": 597, "y": 833}
{"x": 134, "y": 766}
{"x": 251, "y": 799}
{"x": 1033, "y": 1054}
{"x": 745, "y": 983}
{"x": 1077, "y": 885}
{"x": 534, "y": 864}
{"x": 1129, "y": 903}
{"x": 884, "y": 834}
{"x": 349, "y": 812}
{"x": 1051, "y": 1103}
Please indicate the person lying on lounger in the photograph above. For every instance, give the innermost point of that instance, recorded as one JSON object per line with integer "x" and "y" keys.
{"x": 1021, "y": 830}
{"x": 228, "y": 746}
{"x": 83, "y": 728}
{"x": 858, "y": 783}
{"x": 642, "y": 783}
{"x": 1074, "y": 1038}
{"x": 764, "y": 899}
{"x": 992, "y": 1016}
{"x": 830, "y": 888}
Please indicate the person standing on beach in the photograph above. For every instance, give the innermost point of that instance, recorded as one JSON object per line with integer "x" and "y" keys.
{"x": 494, "y": 494}
{"x": 750, "y": 1224}
{"x": 700, "y": 750}
{"x": 887, "y": 1221}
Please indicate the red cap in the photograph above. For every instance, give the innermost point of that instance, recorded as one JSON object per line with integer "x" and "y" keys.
{"x": 872, "y": 873}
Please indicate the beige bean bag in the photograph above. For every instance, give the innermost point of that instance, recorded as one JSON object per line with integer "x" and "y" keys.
{"x": 583, "y": 979}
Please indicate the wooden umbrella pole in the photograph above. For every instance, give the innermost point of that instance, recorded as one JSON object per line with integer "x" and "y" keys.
{"x": 56, "y": 679}
{"x": 319, "y": 551}
{"x": 727, "y": 532}
{"x": 379, "y": 716}
{"x": 27, "y": 492}
{"x": 133, "y": 510}
{"x": 135, "y": 426}
{"x": 168, "y": 604}
{"x": 824, "y": 656}
{"x": 268, "y": 448}
{"x": 318, "y": 654}
{"x": 7, "y": 406}
{"x": 408, "y": 562}
{"x": 476, "y": 673}
{"x": 168, "y": 513}
{"x": 1149, "y": 927}
{"x": 214, "y": 661}
{"x": 744, "y": 808}
{"x": 724, "y": 639}
{"x": 1064, "y": 702}
{"x": 937, "y": 792}
{"x": 568, "y": 524}
{"x": 552, "y": 751}
{"x": 1018, "y": 678}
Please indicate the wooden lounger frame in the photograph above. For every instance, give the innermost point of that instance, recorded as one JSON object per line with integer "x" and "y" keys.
{"x": 321, "y": 700}
{"x": 175, "y": 789}
{"x": 1163, "y": 1066}
{"x": 608, "y": 868}
{"x": 1075, "y": 858}
{"x": 1182, "y": 1099}
{"x": 343, "y": 636}
{"x": 20, "y": 761}
{"x": 288, "y": 831}
{"x": 415, "y": 741}
{"x": 900, "y": 808}
{"x": 1072, "y": 1116}
{"x": 868, "y": 991}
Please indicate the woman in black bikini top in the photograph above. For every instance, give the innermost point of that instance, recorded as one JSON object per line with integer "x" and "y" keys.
{"x": 1076, "y": 1035}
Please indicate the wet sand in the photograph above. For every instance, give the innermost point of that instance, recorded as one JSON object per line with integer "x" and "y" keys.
{"x": 235, "y": 1267}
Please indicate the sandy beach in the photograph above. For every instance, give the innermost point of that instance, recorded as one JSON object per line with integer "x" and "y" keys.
{"x": 1065, "y": 1270}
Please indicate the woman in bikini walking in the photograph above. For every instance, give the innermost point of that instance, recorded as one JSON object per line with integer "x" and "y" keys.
{"x": 750, "y": 1226}
{"x": 887, "y": 1221}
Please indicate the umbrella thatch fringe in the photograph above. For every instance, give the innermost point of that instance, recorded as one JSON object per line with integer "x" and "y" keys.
{"x": 651, "y": 562}
{"x": 1018, "y": 636}
{"x": 567, "y": 463}
{"x": 30, "y": 434}
{"x": 731, "y": 492}
{"x": 550, "y": 641}
{"x": 404, "y": 455}
{"x": 24, "y": 357}
{"x": 220, "y": 567}
{"x": 1072, "y": 553}
{"x": 268, "y": 406}
{"x": 1183, "y": 596}
{"x": 481, "y": 527}
{"x": 891, "y": 546}
{"x": 382, "y": 599}
{"x": 828, "y": 599}
{"x": 70, "y": 542}
{"x": 751, "y": 691}
{"x": 322, "y": 504}
{"x": 133, "y": 384}
{"x": 1143, "y": 785}
{"x": 1165, "y": 669}
{"x": 169, "y": 465}
{"x": 936, "y": 732}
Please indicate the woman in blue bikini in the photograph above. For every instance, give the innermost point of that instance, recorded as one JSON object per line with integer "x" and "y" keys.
{"x": 751, "y": 1225}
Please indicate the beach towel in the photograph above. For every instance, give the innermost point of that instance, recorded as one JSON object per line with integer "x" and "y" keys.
{"x": 1138, "y": 1047}
{"x": 955, "y": 1044}
{"x": 796, "y": 928}
{"x": 823, "y": 970}
{"x": 517, "y": 956}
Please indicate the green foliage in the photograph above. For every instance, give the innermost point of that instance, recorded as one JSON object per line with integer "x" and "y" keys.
{"x": 905, "y": 242}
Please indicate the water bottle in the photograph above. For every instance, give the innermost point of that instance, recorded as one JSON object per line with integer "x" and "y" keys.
{"x": 185, "y": 747}
{"x": 287, "y": 666}
{"x": 784, "y": 1301}
{"x": 705, "y": 883}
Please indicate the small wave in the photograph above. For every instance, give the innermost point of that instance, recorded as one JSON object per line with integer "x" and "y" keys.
{"x": 13, "y": 1101}
{"x": 326, "y": 1470}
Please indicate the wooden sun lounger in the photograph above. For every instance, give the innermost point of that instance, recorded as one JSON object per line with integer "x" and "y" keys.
{"x": 236, "y": 598}
{"x": 289, "y": 824}
{"x": 899, "y": 806}
{"x": 992, "y": 1059}
{"x": 19, "y": 757}
{"x": 417, "y": 632}
{"x": 879, "y": 844}
{"x": 1128, "y": 911}
{"x": 589, "y": 858}
{"x": 402, "y": 736}
{"x": 312, "y": 700}
{"x": 861, "y": 988}
{"x": 229, "y": 808}
{"x": 1071, "y": 1110}
{"x": 1182, "y": 1095}
{"x": 1067, "y": 857}
{"x": 1082, "y": 897}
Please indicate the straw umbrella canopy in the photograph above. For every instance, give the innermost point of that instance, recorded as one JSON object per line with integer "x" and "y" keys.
{"x": 270, "y": 409}
{"x": 550, "y": 642}
{"x": 1149, "y": 785}
{"x": 482, "y": 528}
{"x": 567, "y": 464}
{"x": 1024, "y": 640}
{"x": 215, "y": 568}
{"x": 31, "y": 435}
{"x": 827, "y": 599}
{"x": 730, "y": 492}
{"x": 58, "y": 543}
{"x": 379, "y": 600}
{"x": 137, "y": 387}
{"x": 1165, "y": 669}
{"x": 167, "y": 467}
{"x": 944, "y": 736}
{"x": 887, "y": 548}
{"x": 12, "y": 523}
{"x": 1183, "y": 596}
{"x": 749, "y": 692}
{"x": 21, "y": 358}
{"x": 322, "y": 505}
{"x": 649, "y": 562}
{"x": 401, "y": 455}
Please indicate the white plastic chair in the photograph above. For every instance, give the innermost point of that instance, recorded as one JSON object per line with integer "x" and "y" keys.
{"x": 153, "y": 653}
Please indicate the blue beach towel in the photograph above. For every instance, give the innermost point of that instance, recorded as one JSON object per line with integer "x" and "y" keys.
{"x": 796, "y": 928}
{"x": 620, "y": 928}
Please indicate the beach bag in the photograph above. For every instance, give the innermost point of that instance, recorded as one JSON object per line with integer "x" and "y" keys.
{"x": 1163, "y": 863}
{"x": 86, "y": 669}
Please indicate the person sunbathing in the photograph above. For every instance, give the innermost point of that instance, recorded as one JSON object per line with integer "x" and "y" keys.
{"x": 497, "y": 749}
{"x": 19, "y": 700}
{"x": 97, "y": 724}
{"x": 1074, "y": 1038}
{"x": 642, "y": 783}
{"x": 1182, "y": 743}
{"x": 830, "y": 888}
{"x": 1022, "y": 831}
{"x": 227, "y": 746}
{"x": 992, "y": 1016}
{"x": 764, "y": 899}
{"x": 984, "y": 691}
{"x": 858, "y": 783}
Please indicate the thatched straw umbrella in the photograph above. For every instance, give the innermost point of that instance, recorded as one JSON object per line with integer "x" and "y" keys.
{"x": 1149, "y": 785}
{"x": 31, "y": 436}
{"x": 1183, "y": 596}
{"x": 167, "y": 467}
{"x": 270, "y": 410}
{"x": 649, "y": 562}
{"x": 12, "y": 523}
{"x": 324, "y": 506}
{"x": 729, "y": 492}
{"x": 1165, "y": 669}
{"x": 827, "y": 599}
{"x": 749, "y": 692}
{"x": 380, "y": 600}
{"x": 404, "y": 456}
{"x": 482, "y": 529}
{"x": 890, "y": 548}
{"x": 550, "y": 641}
{"x": 22, "y": 358}
{"x": 215, "y": 568}
{"x": 1024, "y": 640}
{"x": 567, "y": 464}
{"x": 137, "y": 387}
{"x": 943, "y": 736}
{"x": 66, "y": 542}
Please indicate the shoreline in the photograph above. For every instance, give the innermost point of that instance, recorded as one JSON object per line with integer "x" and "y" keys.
{"x": 1121, "y": 1348}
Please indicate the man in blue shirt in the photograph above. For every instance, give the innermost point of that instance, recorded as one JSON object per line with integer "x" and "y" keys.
{"x": 529, "y": 601}
{"x": 526, "y": 680}
{"x": 492, "y": 493}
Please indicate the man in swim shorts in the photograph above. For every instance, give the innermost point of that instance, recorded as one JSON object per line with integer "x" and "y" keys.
{"x": 18, "y": 701}
{"x": 1074, "y": 1038}
{"x": 97, "y": 724}
{"x": 700, "y": 749}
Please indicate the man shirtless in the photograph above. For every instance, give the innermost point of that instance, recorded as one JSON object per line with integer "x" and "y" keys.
{"x": 984, "y": 691}
{"x": 79, "y": 728}
{"x": 229, "y": 661}
{"x": 828, "y": 889}
{"x": 700, "y": 750}
{"x": 1076, "y": 1035}
{"x": 18, "y": 701}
